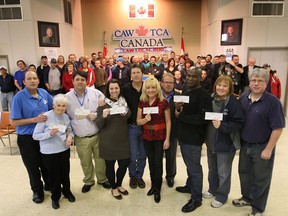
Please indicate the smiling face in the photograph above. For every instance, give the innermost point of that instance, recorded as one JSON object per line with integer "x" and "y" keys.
{"x": 222, "y": 89}
{"x": 114, "y": 90}
{"x": 193, "y": 78}
{"x": 31, "y": 80}
{"x": 136, "y": 75}
{"x": 257, "y": 85}
{"x": 60, "y": 108}
{"x": 79, "y": 83}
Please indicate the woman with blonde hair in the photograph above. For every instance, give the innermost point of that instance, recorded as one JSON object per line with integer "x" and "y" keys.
{"x": 154, "y": 115}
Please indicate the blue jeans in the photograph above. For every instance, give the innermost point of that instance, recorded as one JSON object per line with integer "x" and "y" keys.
{"x": 138, "y": 156}
{"x": 6, "y": 99}
{"x": 192, "y": 159}
{"x": 219, "y": 174}
{"x": 255, "y": 175}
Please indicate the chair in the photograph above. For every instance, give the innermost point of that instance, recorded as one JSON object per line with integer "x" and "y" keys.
{"x": 6, "y": 128}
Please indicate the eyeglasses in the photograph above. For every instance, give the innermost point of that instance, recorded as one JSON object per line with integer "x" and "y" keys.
{"x": 257, "y": 81}
{"x": 168, "y": 83}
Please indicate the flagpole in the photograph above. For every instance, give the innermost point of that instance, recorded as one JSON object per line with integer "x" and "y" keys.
{"x": 182, "y": 42}
{"x": 105, "y": 48}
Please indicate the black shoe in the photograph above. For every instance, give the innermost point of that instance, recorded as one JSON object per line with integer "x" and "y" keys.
{"x": 46, "y": 187}
{"x": 141, "y": 183}
{"x": 70, "y": 197}
{"x": 106, "y": 184}
{"x": 55, "y": 204}
{"x": 38, "y": 197}
{"x": 191, "y": 206}
{"x": 86, "y": 188}
{"x": 133, "y": 183}
{"x": 118, "y": 197}
{"x": 157, "y": 197}
{"x": 183, "y": 189}
{"x": 170, "y": 182}
{"x": 150, "y": 192}
{"x": 125, "y": 192}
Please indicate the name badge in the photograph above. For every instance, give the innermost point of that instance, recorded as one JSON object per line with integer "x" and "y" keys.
{"x": 150, "y": 110}
{"x": 117, "y": 110}
{"x": 213, "y": 116}
{"x": 181, "y": 98}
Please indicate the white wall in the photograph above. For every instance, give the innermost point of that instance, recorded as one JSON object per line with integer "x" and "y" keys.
{"x": 19, "y": 39}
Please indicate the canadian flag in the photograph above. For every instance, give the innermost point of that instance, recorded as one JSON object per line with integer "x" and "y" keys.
{"x": 182, "y": 45}
{"x": 105, "y": 47}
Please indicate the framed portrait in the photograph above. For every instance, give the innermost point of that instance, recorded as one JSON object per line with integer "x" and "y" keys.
{"x": 231, "y": 32}
{"x": 48, "y": 34}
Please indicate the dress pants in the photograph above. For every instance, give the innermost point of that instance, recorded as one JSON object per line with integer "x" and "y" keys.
{"x": 170, "y": 155}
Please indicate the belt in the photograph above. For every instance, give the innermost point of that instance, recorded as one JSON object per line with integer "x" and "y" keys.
{"x": 255, "y": 143}
{"x": 155, "y": 127}
{"x": 89, "y": 136}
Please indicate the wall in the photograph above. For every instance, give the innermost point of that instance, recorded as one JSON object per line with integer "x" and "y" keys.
{"x": 109, "y": 15}
{"x": 20, "y": 40}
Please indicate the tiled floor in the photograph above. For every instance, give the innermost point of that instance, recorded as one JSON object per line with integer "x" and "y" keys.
{"x": 15, "y": 194}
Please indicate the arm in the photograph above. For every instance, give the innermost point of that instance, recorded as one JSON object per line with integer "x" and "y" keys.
{"x": 140, "y": 120}
{"x": 39, "y": 118}
{"x": 17, "y": 85}
{"x": 168, "y": 128}
{"x": 40, "y": 133}
{"x": 266, "y": 153}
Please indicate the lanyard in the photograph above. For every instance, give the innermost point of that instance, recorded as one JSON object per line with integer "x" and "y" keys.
{"x": 80, "y": 102}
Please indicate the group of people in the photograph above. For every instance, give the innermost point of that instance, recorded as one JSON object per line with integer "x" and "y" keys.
{"x": 122, "y": 118}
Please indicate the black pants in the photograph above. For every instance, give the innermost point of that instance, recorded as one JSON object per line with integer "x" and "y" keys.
{"x": 154, "y": 152}
{"x": 120, "y": 173}
{"x": 31, "y": 157}
{"x": 170, "y": 155}
{"x": 58, "y": 166}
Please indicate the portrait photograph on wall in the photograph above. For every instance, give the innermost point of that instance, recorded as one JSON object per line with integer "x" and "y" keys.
{"x": 231, "y": 32}
{"x": 48, "y": 34}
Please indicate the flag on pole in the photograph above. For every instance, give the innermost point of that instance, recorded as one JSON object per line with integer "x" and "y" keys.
{"x": 105, "y": 47}
{"x": 182, "y": 43}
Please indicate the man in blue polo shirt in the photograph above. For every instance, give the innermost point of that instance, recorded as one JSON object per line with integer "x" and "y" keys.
{"x": 264, "y": 122}
{"x": 27, "y": 110}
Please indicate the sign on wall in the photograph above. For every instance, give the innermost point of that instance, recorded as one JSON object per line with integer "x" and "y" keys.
{"x": 141, "y": 11}
{"x": 142, "y": 39}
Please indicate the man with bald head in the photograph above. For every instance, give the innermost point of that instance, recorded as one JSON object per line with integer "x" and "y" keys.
{"x": 247, "y": 70}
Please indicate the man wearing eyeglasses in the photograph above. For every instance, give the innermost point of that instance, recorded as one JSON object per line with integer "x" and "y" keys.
{"x": 264, "y": 122}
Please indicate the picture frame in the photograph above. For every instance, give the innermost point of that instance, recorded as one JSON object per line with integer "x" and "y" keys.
{"x": 231, "y": 32}
{"x": 48, "y": 34}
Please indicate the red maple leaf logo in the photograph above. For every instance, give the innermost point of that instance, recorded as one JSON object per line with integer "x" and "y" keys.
{"x": 141, "y": 10}
{"x": 141, "y": 31}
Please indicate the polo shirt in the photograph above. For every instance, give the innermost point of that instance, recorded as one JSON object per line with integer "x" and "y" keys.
{"x": 19, "y": 76}
{"x": 24, "y": 106}
{"x": 261, "y": 117}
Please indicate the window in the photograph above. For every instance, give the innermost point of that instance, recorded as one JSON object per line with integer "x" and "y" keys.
{"x": 270, "y": 8}
{"x": 68, "y": 11}
{"x": 10, "y": 10}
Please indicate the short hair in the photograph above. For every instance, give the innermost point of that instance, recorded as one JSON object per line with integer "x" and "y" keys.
{"x": 60, "y": 98}
{"x": 107, "y": 93}
{"x": 171, "y": 59}
{"x": 151, "y": 81}
{"x": 233, "y": 56}
{"x": 134, "y": 65}
{"x": 80, "y": 73}
{"x": 259, "y": 72}
{"x": 227, "y": 79}
{"x": 93, "y": 54}
{"x": 32, "y": 65}
{"x": 32, "y": 72}
{"x": 168, "y": 75}
{"x": 21, "y": 61}
{"x": 197, "y": 70}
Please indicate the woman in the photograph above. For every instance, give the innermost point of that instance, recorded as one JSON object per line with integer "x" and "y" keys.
{"x": 61, "y": 63}
{"x": 90, "y": 73}
{"x": 55, "y": 136}
{"x": 67, "y": 78}
{"x": 171, "y": 68}
{"x": 221, "y": 140}
{"x": 113, "y": 140}
{"x": 154, "y": 114}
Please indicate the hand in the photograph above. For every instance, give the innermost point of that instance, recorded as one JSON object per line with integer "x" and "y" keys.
{"x": 68, "y": 141}
{"x": 216, "y": 123}
{"x": 179, "y": 106}
{"x": 53, "y": 131}
{"x": 166, "y": 144}
{"x": 266, "y": 154}
{"x": 148, "y": 117}
{"x": 106, "y": 112}
{"x": 101, "y": 103}
{"x": 40, "y": 118}
{"x": 232, "y": 63}
{"x": 92, "y": 116}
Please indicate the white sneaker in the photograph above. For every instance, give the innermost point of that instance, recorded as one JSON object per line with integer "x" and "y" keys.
{"x": 216, "y": 204}
{"x": 253, "y": 213}
{"x": 207, "y": 195}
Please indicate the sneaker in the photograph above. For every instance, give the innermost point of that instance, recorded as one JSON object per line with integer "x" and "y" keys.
{"x": 216, "y": 204}
{"x": 207, "y": 195}
{"x": 133, "y": 183}
{"x": 255, "y": 213}
{"x": 240, "y": 202}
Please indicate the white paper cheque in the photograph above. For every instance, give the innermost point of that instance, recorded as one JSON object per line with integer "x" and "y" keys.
{"x": 150, "y": 110}
{"x": 82, "y": 112}
{"x": 117, "y": 110}
{"x": 60, "y": 127}
{"x": 213, "y": 116}
{"x": 181, "y": 98}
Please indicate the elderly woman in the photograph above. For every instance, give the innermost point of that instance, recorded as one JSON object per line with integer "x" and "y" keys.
{"x": 55, "y": 136}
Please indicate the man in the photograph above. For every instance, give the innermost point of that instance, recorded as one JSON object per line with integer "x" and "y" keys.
{"x": 145, "y": 59}
{"x": 7, "y": 88}
{"x": 235, "y": 71}
{"x": 264, "y": 122}
{"x": 121, "y": 72}
{"x": 82, "y": 107}
{"x": 19, "y": 75}
{"x": 27, "y": 110}
{"x": 132, "y": 92}
{"x": 251, "y": 65}
{"x": 191, "y": 127}
{"x": 154, "y": 69}
{"x": 48, "y": 38}
{"x": 43, "y": 69}
{"x": 231, "y": 35}
{"x": 53, "y": 78}
{"x": 93, "y": 59}
{"x": 167, "y": 85}
{"x": 101, "y": 77}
